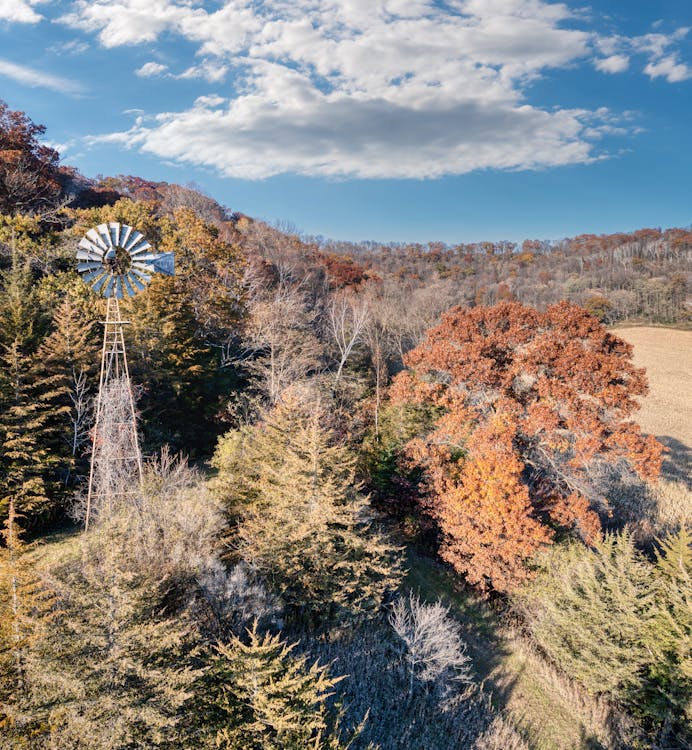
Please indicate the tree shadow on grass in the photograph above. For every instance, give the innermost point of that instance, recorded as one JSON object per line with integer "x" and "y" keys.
{"x": 545, "y": 707}
{"x": 677, "y": 461}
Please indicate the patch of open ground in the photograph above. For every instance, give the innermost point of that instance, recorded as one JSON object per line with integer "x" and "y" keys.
{"x": 666, "y": 411}
{"x": 551, "y": 713}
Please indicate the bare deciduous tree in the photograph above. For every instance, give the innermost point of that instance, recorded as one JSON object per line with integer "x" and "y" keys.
{"x": 434, "y": 647}
{"x": 347, "y": 318}
{"x": 279, "y": 346}
{"x": 80, "y": 413}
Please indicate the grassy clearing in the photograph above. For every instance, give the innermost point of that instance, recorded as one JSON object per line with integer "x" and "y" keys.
{"x": 552, "y": 712}
{"x": 57, "y": 546}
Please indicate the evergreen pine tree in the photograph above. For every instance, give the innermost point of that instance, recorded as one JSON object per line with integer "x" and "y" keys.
{"x": 127, "y": 665}
{"x": 68, "y": 357}
{"x": 260, "y": 696}
{"x": 669, "y": 638}
{"x": 302, "y": 524}
{"x": 26, "y": 612}
{"x": 172, "y": 365}
{"x": 620, "y": 625}
{"x": 588, "y": 609}
{"x": 27, "y": 402}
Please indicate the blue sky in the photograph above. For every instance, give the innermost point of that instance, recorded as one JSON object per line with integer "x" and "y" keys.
{"x": 393, "y": 120}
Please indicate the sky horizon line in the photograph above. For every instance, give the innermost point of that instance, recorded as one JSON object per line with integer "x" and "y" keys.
{"x": 405, "y": 120}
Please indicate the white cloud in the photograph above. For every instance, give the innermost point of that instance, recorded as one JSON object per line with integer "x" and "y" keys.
{"x": 613, "y": 64}
{"x": 669, "y": 68}
{"x": 151, "y": 70}
{"x": 209, "y": 71}
{"x": 658, "y": 49}
{"x": 333, "y": 135}
{"x": 61, "y": 148}
{"x": 38, "y": 78}
{"x": 663, "y": 62}
{"x": 658, "y": 44}
{"x": 373, "y": 88}
{"x": 126, "y": 21}
{"x": 19, "y": 11}
{"x": 71, "y": 47}
{"x": 211, "y": 100}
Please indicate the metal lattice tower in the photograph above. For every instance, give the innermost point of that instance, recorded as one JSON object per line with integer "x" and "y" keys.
{"x": 117, "y": 261}
{"x": 116, "y": 459}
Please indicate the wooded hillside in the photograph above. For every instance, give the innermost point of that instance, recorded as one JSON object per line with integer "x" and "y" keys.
{"x": 410, "y": 466}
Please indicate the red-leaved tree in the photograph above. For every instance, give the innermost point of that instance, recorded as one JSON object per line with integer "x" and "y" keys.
{"x": 29, "y": 173}
{"x": 531, "y": 403}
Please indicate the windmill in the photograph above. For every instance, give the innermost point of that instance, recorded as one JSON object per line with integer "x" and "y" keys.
{"x": 116, "y": 261}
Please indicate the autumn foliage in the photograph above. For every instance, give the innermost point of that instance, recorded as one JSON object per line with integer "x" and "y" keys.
{"x": 532, "y": 403}
{"x": 29, "y": 175}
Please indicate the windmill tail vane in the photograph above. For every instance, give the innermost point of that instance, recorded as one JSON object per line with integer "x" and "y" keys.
{"x": 116, "y": 261}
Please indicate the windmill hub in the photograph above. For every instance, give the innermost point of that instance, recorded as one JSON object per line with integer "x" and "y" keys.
{"x": 118, "y": 260}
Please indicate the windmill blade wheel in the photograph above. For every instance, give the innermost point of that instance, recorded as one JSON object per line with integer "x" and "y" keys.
{"x": 117, "y": 261}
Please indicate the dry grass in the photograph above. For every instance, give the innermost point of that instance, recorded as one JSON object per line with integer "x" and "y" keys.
{"x": 666, "y": 354}
{"x": 501, "y": 735}
{"x": 651, "y": 509}
{"x": 550, "y": 711}
{"x": 666, "y": 411}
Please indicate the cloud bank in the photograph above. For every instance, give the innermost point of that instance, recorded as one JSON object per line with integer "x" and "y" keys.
{"x": 372, "y": 88}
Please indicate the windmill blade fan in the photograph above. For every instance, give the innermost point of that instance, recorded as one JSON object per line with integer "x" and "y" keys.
{"x": 116, "y": 260}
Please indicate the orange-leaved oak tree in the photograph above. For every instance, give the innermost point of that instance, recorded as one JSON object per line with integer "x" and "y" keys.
{"x": 531, "y": 404}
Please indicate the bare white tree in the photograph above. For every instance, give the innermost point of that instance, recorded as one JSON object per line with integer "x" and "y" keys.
{"x": 237, "y": 597}
{"x": 434, "y": 647}
{"x": 347, "y": 317}
{"x": 81, "y": 411}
